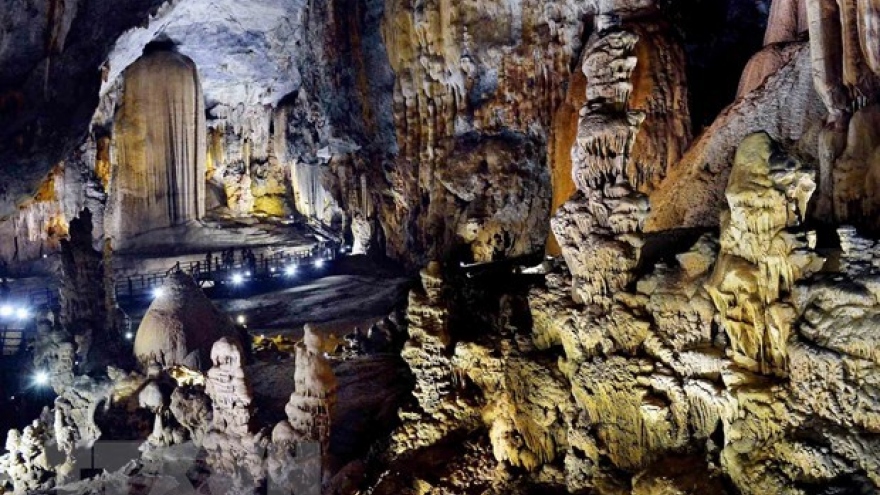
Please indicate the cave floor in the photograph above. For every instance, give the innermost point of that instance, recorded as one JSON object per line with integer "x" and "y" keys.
{"x": 159, "y": 250}
{"x": 349, "y": 292}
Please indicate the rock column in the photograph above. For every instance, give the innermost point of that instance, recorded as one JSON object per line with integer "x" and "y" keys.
{"x": 160, "y": 136}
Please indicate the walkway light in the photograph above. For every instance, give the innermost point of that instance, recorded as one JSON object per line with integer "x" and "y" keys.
{"x": 129, "y": 335}
{"x": 6, "y": 310}
{"x": 290, "y": 270}
{"x": 237, "y": 279}
{"x": 41, "y": 378}
{"x": 240, "y": 319}
{"x": 22, "y": 313}
{"x": 158, "y": 292}
{"x": 319, "y": 263}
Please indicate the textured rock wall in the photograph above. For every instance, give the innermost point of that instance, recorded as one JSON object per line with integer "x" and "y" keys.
{"x": 456, "y": 79}
{"x": 761, "y": 258}
{"x": 787, "y": 108}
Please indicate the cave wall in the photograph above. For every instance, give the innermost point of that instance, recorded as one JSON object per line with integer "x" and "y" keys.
{"x": 741, "y": 361}
{"x": 51, "y": 56}
{"x": 459, "y": 77}
{"x": 344, "y": 111}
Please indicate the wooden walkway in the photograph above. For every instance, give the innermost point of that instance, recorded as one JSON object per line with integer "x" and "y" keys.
{"x": 235, "y": 269}
{"x": 232, "y": 270}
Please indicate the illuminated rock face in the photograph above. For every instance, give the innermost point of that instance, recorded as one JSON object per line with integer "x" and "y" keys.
{"x": 427, "y": 350}
{"x": 26, "y": 462}
{"x": 159, "y": 178}
{"x": 786, "y": 107}
{"x": 457, "y": 80}
{"x": 678, "y": 358}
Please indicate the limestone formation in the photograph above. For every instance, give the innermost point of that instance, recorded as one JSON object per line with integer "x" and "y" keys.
{"x": 503, "y": 183}
{"x": 438, "y": 410}
{"x": 598, "y": 228}
{"x": 25, "y": 461}
{"x": 772, "y": 418}
{"x": 234, "y": 448}
{"x": 311, "y": 406}
{"x": 191, "y": 408}
{"x": 159, "y": 180}
{"x": 786, "y": 24}
{"x": 181, "y": 326}
{"x": 427, "y": 350}
{"x": 787, "y": 21}
{"x": 300, "y": 450}
{"x": 761, "y": 258}
{"x": 456, "y": 82}
{"x": 40, "y": 224}
{"x": 842, "y": 47}
{"x": 86, "y": 312}
{"x": 786, "y": 107}
{"x": 708, "y": 323}
{"x": 228, "y": 389}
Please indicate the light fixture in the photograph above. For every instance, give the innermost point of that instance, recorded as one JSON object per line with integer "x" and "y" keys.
{"x": 290, "y": 270}
{"x": 129, "y": 335}
{"x": 240, "y": 319}
{"x": 319, "y": 263}
{"x": 41, "y": 378}
{"x": 6, "y": 310}
{"x": 158, "y": 292}
{"x": 247, "y": 273}
{"x": 22, "y": 313}
{"x": 272, "y": 269}
{"x": 237, "y": 279}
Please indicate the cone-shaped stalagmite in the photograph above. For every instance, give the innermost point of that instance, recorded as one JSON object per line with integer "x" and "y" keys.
{"x": 160, "y": 133}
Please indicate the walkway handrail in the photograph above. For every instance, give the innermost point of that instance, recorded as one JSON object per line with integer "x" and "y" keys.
{"x": 276, "y": 262}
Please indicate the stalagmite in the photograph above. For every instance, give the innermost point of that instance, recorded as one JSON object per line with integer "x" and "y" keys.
{"x": 180, "y": 326}
{"x": 427, "y": 350}
{"x": 85, "y": 312}
{"x": 159, "y": 180}
{"x": 300, "y": 448}
{"x": 311, "y": 406}
{"x": 759, "y": 260}
{"x": 26, "y": 462}
{"x": 234, "y": 448}
{"x": 595, "y": 228}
